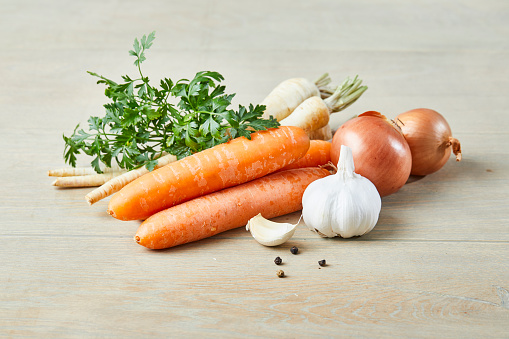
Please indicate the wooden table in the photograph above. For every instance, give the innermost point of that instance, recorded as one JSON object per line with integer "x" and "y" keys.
{"x": 436, "y": 265}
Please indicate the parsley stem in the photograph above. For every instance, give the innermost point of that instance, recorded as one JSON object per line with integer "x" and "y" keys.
{"x": 208, "y": 112}
{"x": 129, "y": 137}
{"x": 139, "y": 67}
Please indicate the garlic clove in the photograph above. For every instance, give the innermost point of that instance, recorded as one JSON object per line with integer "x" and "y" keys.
{"x": 270, "y": 233}
{"x": 317, "y": 204}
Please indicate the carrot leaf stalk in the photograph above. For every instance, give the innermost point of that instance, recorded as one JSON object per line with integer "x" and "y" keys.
{"x": 143, "y": 121}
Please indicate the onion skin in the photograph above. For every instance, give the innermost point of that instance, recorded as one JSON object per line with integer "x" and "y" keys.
{"x": 380, "y": 152}
{"x": 430, "y": 139}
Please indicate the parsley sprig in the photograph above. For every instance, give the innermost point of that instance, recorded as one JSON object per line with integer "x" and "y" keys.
{"x": 142, "y": 121}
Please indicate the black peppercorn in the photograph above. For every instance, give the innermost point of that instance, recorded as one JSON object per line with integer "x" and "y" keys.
{"x": 322, "y": 262}
{"x": 278, "y": 261}
{"x": 294, "y": 250}
{"x": 280, "y": 273}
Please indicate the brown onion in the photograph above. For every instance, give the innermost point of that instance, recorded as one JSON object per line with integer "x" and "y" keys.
{"x": 380, "y": 152}
{"x": 430, "y": 139}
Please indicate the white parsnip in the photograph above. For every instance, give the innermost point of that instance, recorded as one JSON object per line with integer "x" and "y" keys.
{"x": 313, "y": 113}
{"x": 91, "y": 180}
{"x": 76, "y": 171}
{"x": 310, "y": 115}
{"x": 289, "y": 94}
{"x": 115, "y": 184}
{"x": 324, "y": 133}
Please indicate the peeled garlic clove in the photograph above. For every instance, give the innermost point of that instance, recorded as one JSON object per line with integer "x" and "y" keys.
{"x": 270, "y": 233}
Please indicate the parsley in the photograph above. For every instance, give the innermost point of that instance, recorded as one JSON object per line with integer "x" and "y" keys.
{"x": 142, "y": 121}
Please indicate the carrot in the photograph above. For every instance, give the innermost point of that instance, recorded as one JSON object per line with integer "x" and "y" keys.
{"x": 213, "y": 169}
{"x": 318, "y": 154}
{"x": 273, "y": 195}
{"x": 115, "y": 184}
{"x": 289, "y": 94}
{"x": 85, "y": 180}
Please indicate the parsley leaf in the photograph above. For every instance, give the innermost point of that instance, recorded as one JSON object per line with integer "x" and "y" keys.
{"x": 141, "y": 122}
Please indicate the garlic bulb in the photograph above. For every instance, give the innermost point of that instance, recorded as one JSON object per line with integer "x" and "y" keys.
{"x": 344, "y": 204}
{"x": 270, "y": 233}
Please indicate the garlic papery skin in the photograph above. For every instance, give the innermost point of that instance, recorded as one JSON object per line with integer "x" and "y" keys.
{"x": 345, "y": 204}
{"x": 270, "y": 233}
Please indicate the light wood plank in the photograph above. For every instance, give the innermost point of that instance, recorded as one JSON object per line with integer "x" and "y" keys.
{"x": 220, "y": 286}
{"x": 434, "y": 266}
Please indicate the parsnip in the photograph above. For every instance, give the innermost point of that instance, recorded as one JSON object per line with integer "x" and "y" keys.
{"x": 313, "y": 113}
{"x": 310, "y": 115}
{"x": 115, "y": 184}
{"x": 324, "y": 133}
{"x": 76, "y": 171}
{"x": 289, "y": 94}
{"x": 85, "y": 180}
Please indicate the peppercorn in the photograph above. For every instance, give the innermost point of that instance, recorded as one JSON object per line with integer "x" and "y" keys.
{"x": 322, "y": 262}
{"x": 278, "y": 261}
{"x": 294, "y": 250}
{"x": 280, "y": 273}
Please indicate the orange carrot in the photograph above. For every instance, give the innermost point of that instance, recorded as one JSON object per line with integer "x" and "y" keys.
{"x": 318, "y": 154}
{"x": 273, "y": 195}
{"x": 225, "y": 165}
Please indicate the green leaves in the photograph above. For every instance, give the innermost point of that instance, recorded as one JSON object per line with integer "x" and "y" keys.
{"x": 210, "y": 127}
{"x": 140, "y": 123}
{"x": 139, "y": 48}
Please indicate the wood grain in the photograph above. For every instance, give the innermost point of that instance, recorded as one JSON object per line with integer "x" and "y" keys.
{"x": 434, "y": 266}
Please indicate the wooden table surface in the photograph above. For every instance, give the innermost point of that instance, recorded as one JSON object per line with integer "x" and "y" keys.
{"x": 436, "y": 264}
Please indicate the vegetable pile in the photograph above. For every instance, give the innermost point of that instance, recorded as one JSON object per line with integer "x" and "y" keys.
{"x": 179, "y": 158}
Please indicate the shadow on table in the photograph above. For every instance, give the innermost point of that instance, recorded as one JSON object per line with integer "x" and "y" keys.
{"x": 428, "y": 193}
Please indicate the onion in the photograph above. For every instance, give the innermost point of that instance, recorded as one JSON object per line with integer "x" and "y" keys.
{"x": 430, "y": 139}
{"x": 380, "y": 152}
